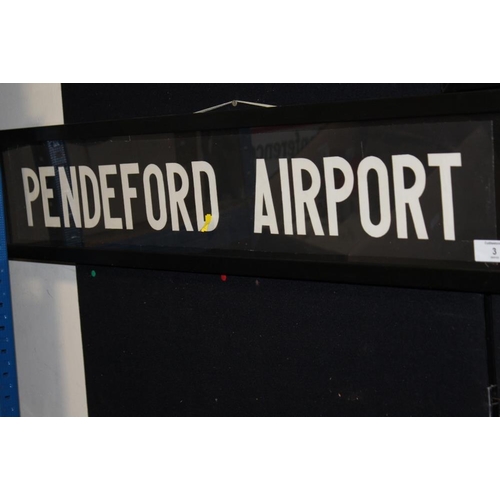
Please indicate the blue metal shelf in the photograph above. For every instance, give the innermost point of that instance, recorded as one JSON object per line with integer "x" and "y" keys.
{"x": 9, "y": 398}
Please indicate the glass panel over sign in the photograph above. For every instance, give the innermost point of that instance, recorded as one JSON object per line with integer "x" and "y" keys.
{"x": 392, "y": 193}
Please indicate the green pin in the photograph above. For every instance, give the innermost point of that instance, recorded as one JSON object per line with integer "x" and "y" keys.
{"x": 93, "y": 273}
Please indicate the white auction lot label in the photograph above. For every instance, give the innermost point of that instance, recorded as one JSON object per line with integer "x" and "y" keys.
{"x": 487, "y": 250}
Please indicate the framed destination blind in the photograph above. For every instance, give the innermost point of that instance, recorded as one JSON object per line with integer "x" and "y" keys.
{"x": 399, "y": 192}
{"x": 222, "y": 258}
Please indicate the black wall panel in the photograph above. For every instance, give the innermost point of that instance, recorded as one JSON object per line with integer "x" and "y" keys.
{"x": 161, "y": 343}
{"x": 91, "y": 102}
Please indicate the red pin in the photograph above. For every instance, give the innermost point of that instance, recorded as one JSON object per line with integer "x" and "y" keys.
{"x": 223, "y": 277}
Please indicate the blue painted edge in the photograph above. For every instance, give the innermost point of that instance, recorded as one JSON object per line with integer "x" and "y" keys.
{"x": 9, "y": 396}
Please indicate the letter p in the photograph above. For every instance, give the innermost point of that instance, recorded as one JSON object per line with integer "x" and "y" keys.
{"x": 30, "y": 195}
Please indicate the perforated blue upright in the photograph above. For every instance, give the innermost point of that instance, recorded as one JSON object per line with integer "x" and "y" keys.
{"x": 9, "y": 399}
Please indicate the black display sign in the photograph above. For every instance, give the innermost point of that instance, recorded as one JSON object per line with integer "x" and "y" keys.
{"x": 405, "y": 193}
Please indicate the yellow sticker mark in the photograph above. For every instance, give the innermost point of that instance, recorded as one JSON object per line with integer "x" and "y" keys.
{"x": 208, "y": 219}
